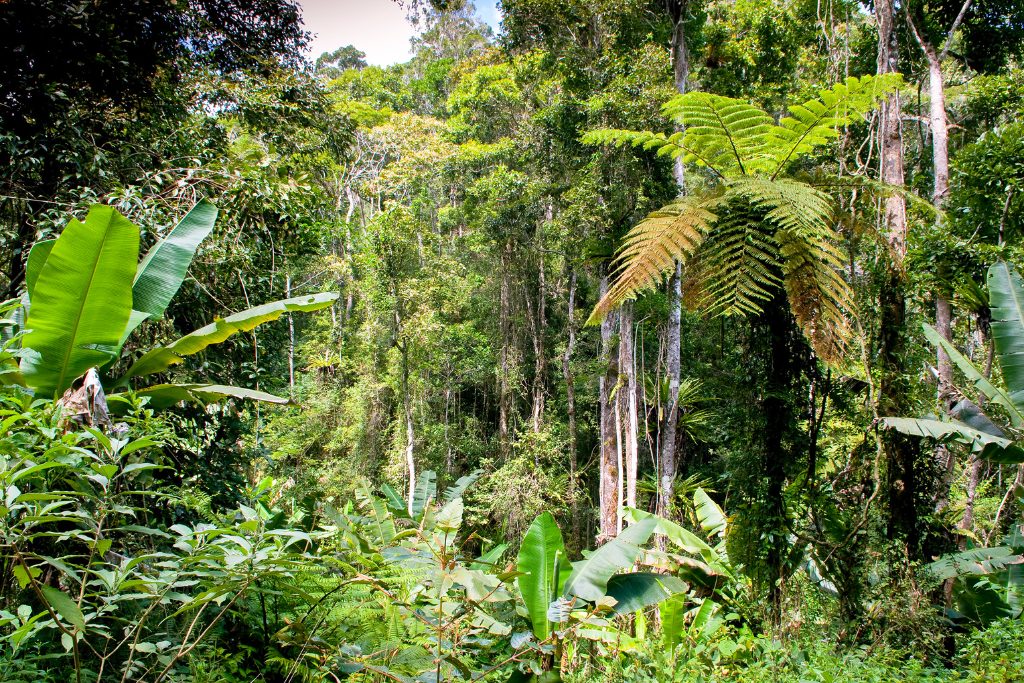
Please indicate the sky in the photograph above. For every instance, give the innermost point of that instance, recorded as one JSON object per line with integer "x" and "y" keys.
{"x": 377, "y": 27}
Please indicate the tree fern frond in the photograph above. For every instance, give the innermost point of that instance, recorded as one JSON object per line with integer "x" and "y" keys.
{"x": 661, "y": 143}
{"x": 651, "y": 248}
{"x": 722, "y": 133}
{"x": 740, "y": 262}
{"x": 818, "y": 296}
{"x": 817, "y": 122}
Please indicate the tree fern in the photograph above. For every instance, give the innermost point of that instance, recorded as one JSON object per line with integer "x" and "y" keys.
{"x": 755, "y": 231}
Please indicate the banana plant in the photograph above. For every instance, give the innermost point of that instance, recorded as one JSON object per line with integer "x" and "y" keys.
{"x": 989, "y": 581}
{"x": 564, "y": 598}
{"x": 86, "y": 292}
{"x": 969, "y": 424}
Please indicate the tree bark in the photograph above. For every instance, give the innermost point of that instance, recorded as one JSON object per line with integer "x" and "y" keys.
{"x": 504, "y": 353}
{"x": 608, "y": 493}
{"x": 539, "y": 328}
{"x": 570, "y": 400}
{"x": 626, "y": 396}
{"x": 900, "y": 452}
{"x": 668, "y": 437}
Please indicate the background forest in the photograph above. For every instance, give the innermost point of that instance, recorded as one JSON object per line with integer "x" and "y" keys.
{"x": 672, "y": 340}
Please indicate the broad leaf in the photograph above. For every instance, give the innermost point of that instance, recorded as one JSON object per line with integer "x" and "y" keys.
{"x": 37, "y": 257}
{"x": 590, "y": 576}
{"x": 64, "y": 606}
{"x": 424, "y": 493}
{"x": 989, "y": 446}
{"x": 161, "y": 358}
{"x": 165, "y": 395}
{"x": 82, "y": 300}
{"x": 1006, "y": 293}
{"x": 981, "y": 383}
{"x": 711, "y": 517}
{"x": 162, "y": 271}
{"x": 638, "y": 590}
{"x": 541, "y": 563}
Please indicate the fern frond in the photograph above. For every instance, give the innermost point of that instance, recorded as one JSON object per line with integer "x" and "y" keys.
{"x": 821, "y": 300}
{"x": 740, "y": 265}
{"x": 651, "y": 248}
{"x": 725, "y": 134}
{"x": 664, "y": 145}
{"x": 817, "y": 122}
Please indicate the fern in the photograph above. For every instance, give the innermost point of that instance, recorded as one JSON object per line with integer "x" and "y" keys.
{"x": 755, "y": 232}
{"x": 672, "y": 233}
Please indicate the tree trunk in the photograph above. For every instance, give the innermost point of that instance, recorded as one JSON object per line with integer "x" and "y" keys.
{"x": 609, "y": 469}
{"x": 504, "y": 354}
{"x": 539, "y": 328}
{"x": 900, "y": 451}
{"x": 668, "y": 438}
{"x": 626, "y": 397}
{"x": 570, "y": 400}
{"x": 669, "y": 425}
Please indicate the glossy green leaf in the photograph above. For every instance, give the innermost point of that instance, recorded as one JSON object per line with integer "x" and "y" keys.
{"x": 161, "y": 358}
{"x": 711, "y": 517}
{"x": 37, "y": 257}
{"x": 81, "y": 300}
{"x": 163, "y": 269}
{"x": 541, "y": 563}
{"x": 590, "y": 576}
{"x": 64, "y": 606}
{"x": 638, "y": 590}
{"x": 1006, "y": 294}
{"x": 988, "y": 445}
{"x": 981, "y": 383}
{"x": 165, "y": 395}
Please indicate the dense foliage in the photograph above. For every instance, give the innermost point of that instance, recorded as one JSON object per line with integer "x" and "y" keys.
{"x": 624, "y": 341}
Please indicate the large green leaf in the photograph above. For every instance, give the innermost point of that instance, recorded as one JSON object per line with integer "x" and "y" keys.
{"x": 64, "y": 606}
{"x": 165, "y": 395}
{"x": 686, "y": 540}
{"x": 711, "y": 517}
{"x": 81, "y": 300}
{"x": 1006, "y": 294}
{"x": 990, "y": 446}
{"x": 424, "y": 493}
{"x": 37, "y": 257}
{"x": 638, "y": 590}
{"x": 161, "y": 358}
{"x": 541, "y": 563}
{"x": 981, "y": 383}
{"x": 590, "y": 576}
{"x": 162, "y": 271}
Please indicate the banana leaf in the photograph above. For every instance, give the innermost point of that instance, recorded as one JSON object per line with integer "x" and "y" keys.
{"x": 161, "y": 358}
{"x": 161, "y": 272}
{"x": 542, "y": 565}
{"x": 1006, "y": 294}
{"x": 590, "y": 576}
{"x": 637, "y": 590}
{"x": 81, "y": 300}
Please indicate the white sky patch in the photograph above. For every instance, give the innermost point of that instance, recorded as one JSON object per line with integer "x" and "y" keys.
{"x": 377, "y": 27}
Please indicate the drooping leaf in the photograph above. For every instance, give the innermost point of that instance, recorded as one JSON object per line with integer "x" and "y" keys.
{"x": 64, "y": 606}
{"x": 710, "y": 516}
{"x": 988, "y": 445}
{"x": 637, "y": 590}
{"x": 82, "y": 300}
{"x": 424, "y": 493}
{"x": 541, "y": 561}
{"x": 590, "y": 576}
{"x": 162, "y": 358}
{"x": 165, "y": 395}
{"x": 974, "y": 562}
{"x": 459, "y": 487}
{"x": 981, "y": 383}
{"x": 161, "y": 272}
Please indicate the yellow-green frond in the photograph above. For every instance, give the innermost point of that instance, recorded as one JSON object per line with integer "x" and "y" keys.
{"x": 739, "y": 267}
{"x": 652, "y": 248}
{"x": 817, "y": 122}
{"x": 821, "y": 300}
{"x": 665, "y": 145}
{"x": 722, "y": 133}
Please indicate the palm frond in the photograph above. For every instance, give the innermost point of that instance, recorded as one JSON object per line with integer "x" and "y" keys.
{"x": 722, "y": 133}
{"x": 651, "y": 248}
{"x": 817, "y": 122}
